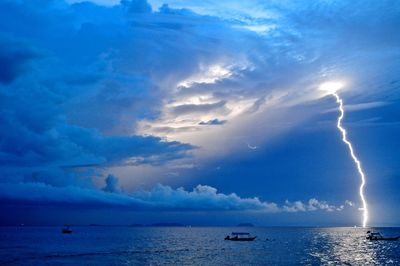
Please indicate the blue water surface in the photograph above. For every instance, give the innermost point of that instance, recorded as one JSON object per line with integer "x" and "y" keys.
{"x": 98, "y": 245}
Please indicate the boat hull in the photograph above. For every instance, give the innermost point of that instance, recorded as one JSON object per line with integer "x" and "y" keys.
{"x": 240, "y": 239}
{"x": 383, "y": 238}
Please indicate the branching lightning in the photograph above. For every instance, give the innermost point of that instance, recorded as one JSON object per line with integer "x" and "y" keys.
{"x": 332, "y": 88}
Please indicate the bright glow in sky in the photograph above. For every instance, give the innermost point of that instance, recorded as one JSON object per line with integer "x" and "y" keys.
{"x": 331, "y": 87}
{"x": 209, "y": 75}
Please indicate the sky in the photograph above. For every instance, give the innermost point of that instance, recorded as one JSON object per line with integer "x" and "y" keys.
{"x": 198, "y": 112}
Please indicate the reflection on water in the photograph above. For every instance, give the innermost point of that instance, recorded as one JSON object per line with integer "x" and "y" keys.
{"x": 195, "y": 246}
{"x": 348, "y": 246}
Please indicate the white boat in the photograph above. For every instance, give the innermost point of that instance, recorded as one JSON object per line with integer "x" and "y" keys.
{"x": 240, "y": 236}
{"x": 378, "y": 236}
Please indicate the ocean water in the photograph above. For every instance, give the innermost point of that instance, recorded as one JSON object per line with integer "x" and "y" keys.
{"x": 195, "y": 246}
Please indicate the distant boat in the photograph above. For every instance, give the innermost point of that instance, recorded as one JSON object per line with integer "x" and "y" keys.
{"x": 66, "y": 230}
{"x": 240, "y": 236}
{"x": 378, "y": 236}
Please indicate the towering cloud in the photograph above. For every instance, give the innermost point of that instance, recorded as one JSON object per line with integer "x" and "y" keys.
{"x": 160, "y": 197}
{"x": 177, "y": 94}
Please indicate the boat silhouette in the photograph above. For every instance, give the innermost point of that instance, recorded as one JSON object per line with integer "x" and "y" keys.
{"x": 240, "y": 236}
{"x": 66, "y": 230}
{"x": 378, "y": 236}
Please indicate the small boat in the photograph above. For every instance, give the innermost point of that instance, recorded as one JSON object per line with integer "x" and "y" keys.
{"x": 378, "y": 236}
{"x": 239, "y": 236}
{"x": 66, "y": 230}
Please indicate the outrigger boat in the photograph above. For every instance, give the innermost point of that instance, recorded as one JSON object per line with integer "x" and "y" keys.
{"x": 239, "y": 236}
{"x": 378, "y": 236}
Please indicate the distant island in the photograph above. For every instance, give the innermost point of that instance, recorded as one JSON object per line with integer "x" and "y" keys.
{"x": 137, "y": 225}
{"x": 161, "y": 224}
{"x": 245, "y": 225}
{"x": 158, "y": 225}
{"x": 168, "y": 224}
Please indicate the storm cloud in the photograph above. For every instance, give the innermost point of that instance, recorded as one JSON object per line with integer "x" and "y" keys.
{"x": 61, "y": 101}
{"x": 135, "y": 89}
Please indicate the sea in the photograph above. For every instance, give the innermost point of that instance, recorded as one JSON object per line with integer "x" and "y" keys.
{"x": 105, "y": 245}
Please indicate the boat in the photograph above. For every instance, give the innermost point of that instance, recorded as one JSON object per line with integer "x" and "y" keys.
{"x": 240, "y": 236}
{"x": 66, "y": 230}
{"x": 378, "y": 236}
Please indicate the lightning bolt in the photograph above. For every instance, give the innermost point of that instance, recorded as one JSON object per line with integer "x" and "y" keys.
{"x": 356, "y": 161}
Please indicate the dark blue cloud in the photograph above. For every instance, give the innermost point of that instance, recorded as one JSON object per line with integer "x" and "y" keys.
{"x": 212, "y": 122}
{"x": 111, "y": 184}
{"x": 14, "y": 59}
{"x": 64, "y": 108}
{"x": 136, "y": 6}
